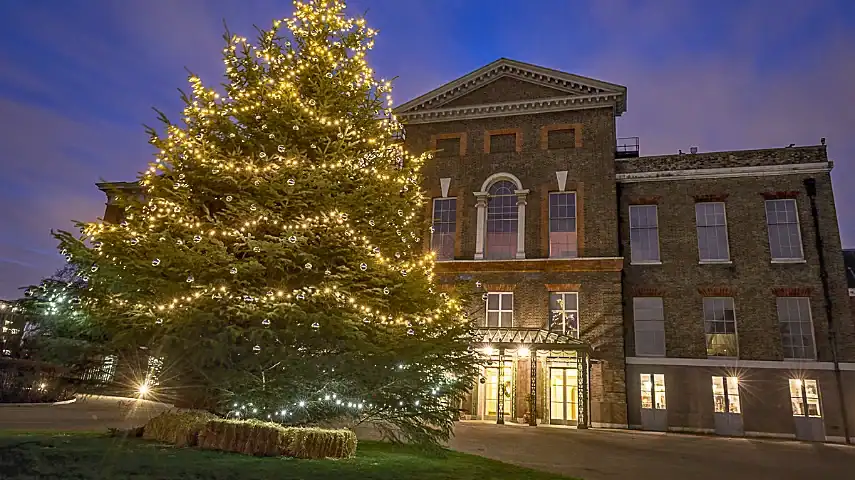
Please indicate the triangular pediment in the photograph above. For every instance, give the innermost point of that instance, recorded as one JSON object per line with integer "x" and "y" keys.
{"x": 509, "y": 87}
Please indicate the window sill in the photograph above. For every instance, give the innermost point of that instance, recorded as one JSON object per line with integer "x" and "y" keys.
{"x": 789, "y": 260}
{"x": 645, "y": 263}
{"x": 715, "y": 262}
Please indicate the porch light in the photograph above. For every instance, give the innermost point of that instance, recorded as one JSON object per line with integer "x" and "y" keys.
{"x": 523, "y": 352}
{"x": 489, "y": 350}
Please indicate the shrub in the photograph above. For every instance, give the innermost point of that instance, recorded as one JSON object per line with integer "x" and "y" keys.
{"x": 178, "y": 428}
{"x": 252, "y": 437}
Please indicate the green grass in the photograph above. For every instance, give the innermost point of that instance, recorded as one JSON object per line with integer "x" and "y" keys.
{"x": 95, "y": 456}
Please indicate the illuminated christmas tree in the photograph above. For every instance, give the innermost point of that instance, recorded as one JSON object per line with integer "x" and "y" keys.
{"x": 274, "y": 257}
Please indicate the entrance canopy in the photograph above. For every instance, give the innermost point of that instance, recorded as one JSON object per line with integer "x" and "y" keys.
{"x": 532, "y": 338}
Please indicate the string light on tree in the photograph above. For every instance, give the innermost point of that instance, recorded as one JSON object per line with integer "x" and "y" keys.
{"x": 304, "y": 211}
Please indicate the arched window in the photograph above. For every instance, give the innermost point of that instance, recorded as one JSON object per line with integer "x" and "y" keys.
{"x": 502, "y": 221}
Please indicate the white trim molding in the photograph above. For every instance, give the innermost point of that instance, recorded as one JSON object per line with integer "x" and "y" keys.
{"x": 736, "y": 363}
{"x": 578, "y": 92}
{"x": 728, "y": 172}
{"x": 482, "y": 199}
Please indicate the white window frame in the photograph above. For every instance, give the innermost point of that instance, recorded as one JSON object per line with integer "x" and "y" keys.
{"x": 575, "y": 217}
{"x": 723, "y": 388}
{"x": 705, "y": 228}
{"x": 564, "y": 312}
{"x": 812, "y": 331}
{"x": 706, "y": 320}
{"x": 482, "y": 198}
{"x": 632, "y": 250}
{"x": 434, "y": 222}
{"x": 502, "y": 313}
{"x": 647, "y": 325}
{"x": 801, "y": 257}
{"x": 800, "y": 396}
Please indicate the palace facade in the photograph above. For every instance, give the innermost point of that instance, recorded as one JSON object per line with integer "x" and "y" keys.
{"x": 696, "y": 292}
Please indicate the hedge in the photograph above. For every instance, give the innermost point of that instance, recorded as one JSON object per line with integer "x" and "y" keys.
{"x": 253, "y": 437}
{"x": 178, "y": 428}
{"x": 249, "y": 437}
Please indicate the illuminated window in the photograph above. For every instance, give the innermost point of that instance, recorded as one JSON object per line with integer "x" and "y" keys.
{"x": 720, "y": 327}
{"x": 653, "y": 391}
{"x": 643, "y": 234}
{"x": 502, "y": 214}
{"x": 785, "y": 238}
{"x": 564, "y": 313}
{"x": 726, "y": 394}
{"x": 804, "y": 397}
{"x": 500, "y": 309}
{"x": 796, "y": 327}
{"x": 562, "y": 225}
{"x": 649, "y": 325}
{"x": 712, "y": 232}
{"x": 444, "y": 227}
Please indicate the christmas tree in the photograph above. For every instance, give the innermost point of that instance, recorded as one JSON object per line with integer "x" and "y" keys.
{"x": 274, "y": 260}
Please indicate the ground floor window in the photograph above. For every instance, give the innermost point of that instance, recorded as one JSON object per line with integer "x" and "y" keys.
{"x": 804, "y": 397}
{"x": 653, "y": 391}
{"x": 563, "y": 395}
{"x": 496, "y": 388}
{"x": 726, "y": 394}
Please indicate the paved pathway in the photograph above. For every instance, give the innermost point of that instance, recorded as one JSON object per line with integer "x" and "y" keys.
{"x": 617, "y": 454}
{"x": 95, "y": 413}
{"x": 590, "y": 455}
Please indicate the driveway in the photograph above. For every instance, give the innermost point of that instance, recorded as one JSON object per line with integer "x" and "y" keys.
{"x": 618, "y": 454}
{"x": 586, "y": 454}
{"x": 86, "y": 414}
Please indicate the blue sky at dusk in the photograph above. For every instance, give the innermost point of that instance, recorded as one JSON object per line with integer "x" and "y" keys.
{"x": 78, "y": 79}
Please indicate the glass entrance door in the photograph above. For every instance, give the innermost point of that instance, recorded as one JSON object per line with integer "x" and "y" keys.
{"x": 493, "y": 390}
{"x": 563, "y": 396}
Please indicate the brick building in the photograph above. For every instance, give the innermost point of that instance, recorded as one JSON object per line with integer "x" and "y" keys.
{"x": 698, "y": 292}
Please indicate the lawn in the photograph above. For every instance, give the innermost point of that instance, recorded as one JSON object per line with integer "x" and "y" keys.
{"x": 94, "y": 456}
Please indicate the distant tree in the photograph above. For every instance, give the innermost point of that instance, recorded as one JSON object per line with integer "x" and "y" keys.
{"x": 275, "y": 262}
{"x": 59, "y": 330}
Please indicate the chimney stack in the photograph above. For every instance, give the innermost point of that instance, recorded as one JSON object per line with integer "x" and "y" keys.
{"x": 693, "y": 149}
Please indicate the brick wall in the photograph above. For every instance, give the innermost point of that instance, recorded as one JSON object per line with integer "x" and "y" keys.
{"x": 590, "y": 167}
{"x": 751, "y": 277}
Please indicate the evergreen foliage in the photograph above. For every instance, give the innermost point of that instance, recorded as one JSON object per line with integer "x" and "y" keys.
{"x": 274, "y": 258}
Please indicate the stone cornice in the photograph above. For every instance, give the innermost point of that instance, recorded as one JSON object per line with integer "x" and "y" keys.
{"x": 504, "y": 109}
{"x": 429, "y": 107}
{"x": 729, "y": 172}
{"x": 590, "y": 264}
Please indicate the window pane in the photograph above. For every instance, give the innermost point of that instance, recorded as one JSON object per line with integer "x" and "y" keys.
{"x": 563, "y": 313}
{"x": 562, "y": 225}
{"x": 643, "y": 233}
{"x": 646, "y": 391}
{"x": 720, "y": 326}
{"x": 444, "y": 227}
{"x": 492, "y": 301}
{"x": 492, "y": 319}
{"x": 796, "y": 327}
{"x": 718, "y": 394}
{"x": 507, "y": 301}
{"x": 649, "y": 326}
{"x": 712, "y": 231}
{"x": 659, "y": 391}
{"x": 502, "y": 213}
{"x": 784, "y": 234}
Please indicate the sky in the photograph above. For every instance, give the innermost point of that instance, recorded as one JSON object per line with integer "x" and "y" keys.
{"x": 79, "y": 78}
